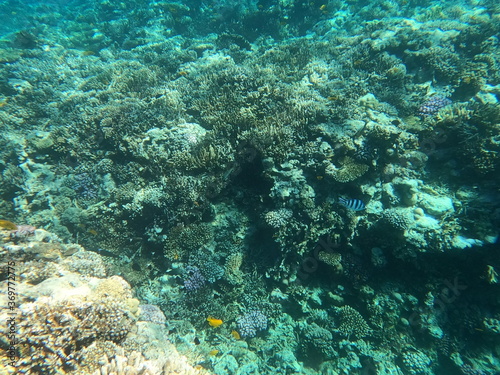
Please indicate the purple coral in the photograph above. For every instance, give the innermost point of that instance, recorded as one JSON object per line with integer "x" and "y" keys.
{"x": 22, "y": 232}
{"x": 195, "y": 279}
{"x": 251, "y": 322}
{"x": 152, "y": 313}
{"x": 432, "y": 105}
{"x": 85, "y": 186}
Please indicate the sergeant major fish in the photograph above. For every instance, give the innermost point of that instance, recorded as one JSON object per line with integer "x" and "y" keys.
{"x": 352, "y": 204}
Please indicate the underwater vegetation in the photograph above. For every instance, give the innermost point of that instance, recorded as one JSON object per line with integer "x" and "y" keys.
{"x": 251, "y": 187}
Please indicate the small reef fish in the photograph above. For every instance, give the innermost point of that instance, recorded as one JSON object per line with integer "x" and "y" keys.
{"x": 214, "y": 322}
{"x": 6, "y": 224}
{"x": 235, "y": 334}
{"x": 213, "y": 352}
{"x": 352, "y": 204}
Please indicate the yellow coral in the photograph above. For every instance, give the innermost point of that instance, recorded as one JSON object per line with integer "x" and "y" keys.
{"x": 6, "y": 224}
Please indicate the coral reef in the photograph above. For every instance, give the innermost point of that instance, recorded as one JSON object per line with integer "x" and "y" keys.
{"x": 264, "y": 187}
{"x": 75, "y": 319}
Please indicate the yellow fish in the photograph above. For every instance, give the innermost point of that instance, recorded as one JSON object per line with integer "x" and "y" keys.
{"x": 213, "y": 352}
{"x": 235, "y": 334}
{"x": 6, "y": 224}
{"x": 214, "y": 322}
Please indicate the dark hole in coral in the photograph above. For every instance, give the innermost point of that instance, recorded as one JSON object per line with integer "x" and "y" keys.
{"x": 265, "y": 250}
{"x": 250, "y": 176}
{"x": 467, "y": 89}
{"x": 136, "y": 266}
{"x": 208, "y": 214}
{"x": 25, "y": 39}
{"x": 7, "y": 89}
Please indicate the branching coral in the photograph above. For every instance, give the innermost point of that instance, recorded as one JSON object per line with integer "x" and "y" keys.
{"x": 353, "y": 323}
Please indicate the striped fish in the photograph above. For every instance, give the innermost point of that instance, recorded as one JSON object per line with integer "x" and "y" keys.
{"x": 352, "y": 204}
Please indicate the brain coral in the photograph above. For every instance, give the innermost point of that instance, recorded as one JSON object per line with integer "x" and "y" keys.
{"x": 397, "y": 218}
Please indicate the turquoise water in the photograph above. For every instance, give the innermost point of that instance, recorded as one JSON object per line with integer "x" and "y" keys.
{"x": 270, "y": 187}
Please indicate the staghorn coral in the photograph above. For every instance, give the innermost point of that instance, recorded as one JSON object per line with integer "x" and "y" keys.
{"x": 210, "y": 156}
{"x": 453, "y": 114}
